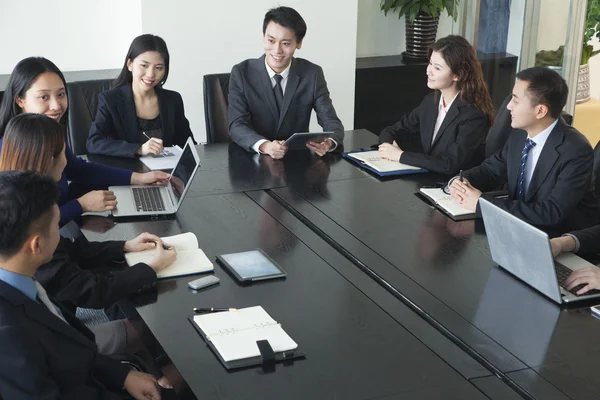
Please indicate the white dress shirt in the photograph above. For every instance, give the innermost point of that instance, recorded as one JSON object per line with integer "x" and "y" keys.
{"x": 442, "y": 111}
{"x": 534, "y": 154}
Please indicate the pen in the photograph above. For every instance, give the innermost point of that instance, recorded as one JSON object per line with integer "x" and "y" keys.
{"x": 212, "y": 309}
{"x": 164, "y": 246}
{"x": 460, "y": 175}
{"x": 144, "y": 133}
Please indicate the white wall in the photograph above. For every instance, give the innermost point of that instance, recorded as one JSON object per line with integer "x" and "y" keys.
{"x": 207, "y": 37}
{"x": 74, "y": 34}
{"x": 552, "y": 30}
{"x": 380, "y": 35}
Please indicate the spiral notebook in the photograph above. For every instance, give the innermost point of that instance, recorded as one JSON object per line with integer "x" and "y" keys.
{"x": 233, "y": 335}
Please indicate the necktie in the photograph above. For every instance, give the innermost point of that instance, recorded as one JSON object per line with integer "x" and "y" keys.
{"x": 278, "y": 91}
{"x": 529, "y": 144}
{"x": 43, "y": 297}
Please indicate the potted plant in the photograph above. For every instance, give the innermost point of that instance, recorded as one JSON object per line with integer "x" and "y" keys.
{"x": 422, "y": 17}
{"x": 592, "y": 28}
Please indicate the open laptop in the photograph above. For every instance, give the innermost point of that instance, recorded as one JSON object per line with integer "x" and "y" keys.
{"x": 159, "y": 200}
{"x": 525, "y": 252}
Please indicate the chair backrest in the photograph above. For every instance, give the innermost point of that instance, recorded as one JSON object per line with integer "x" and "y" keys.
{"x": 498, "y": 133}
{"x": 83, "y": 101}
{"x": 216, "y": 101}
{"x": 596, "y": 170}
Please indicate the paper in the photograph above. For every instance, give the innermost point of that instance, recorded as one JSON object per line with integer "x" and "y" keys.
{"x": 166, "y": 160}
{"x": 374, "y": 160}
{"x": 446, "y": 202}
{"x": 234, "y": 333}
{"x": 190, "y": 259}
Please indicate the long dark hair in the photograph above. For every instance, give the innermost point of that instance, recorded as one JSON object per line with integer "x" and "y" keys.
{"x": 462, "y": 60}
{"x": 22, "y": 77}
{"x": 31, "y": 143}
{"x": 142, "y": 44}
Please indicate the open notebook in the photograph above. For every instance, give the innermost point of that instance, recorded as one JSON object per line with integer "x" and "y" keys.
{"x": 167, "y": 159}
{"x": 234, "y": 333}
{"x": 373, "y": 161}
{"x": 190, "y": 259}
{"x": 446, "y": 203}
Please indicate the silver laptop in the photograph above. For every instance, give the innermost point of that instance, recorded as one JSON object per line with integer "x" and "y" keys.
{"x": 525, "y": 252}
{"x": 159, "y": 200}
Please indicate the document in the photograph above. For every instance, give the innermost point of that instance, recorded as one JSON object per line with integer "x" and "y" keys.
{"x": 190, "y": 259}
{"x": 167, "y": 159}
{"x": 374, "y": 160}
{"x": 234, "y": 333}
{"x": 445, "y": 202}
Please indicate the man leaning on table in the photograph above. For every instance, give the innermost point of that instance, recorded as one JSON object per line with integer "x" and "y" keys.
{"x": 272, "y": 97}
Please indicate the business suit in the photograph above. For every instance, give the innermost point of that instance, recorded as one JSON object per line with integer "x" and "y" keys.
{"x": 45, "y": 358}
{"x": 253, "y": 113}
{"x": 589, "y": 240}
{"x": 459, "y": 143}
{"x": 115, "y": 129}
{"x": 560, "y": 194}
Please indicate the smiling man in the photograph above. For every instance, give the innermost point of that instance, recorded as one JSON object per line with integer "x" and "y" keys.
{"x": 272, "y": 97}
{"x": 546, "y": 164}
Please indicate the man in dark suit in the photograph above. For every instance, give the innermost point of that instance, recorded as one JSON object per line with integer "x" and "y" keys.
{"x": 272, "y": 97}
{"x": 546, "y": 163}
{"x": 46, "y": 352}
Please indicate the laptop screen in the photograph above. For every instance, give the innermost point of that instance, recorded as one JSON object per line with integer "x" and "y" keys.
{"x": 182, "y": 173}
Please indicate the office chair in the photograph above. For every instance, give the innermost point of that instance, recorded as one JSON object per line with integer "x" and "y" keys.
{"x": 498, "y": 133}
{"x": 216, "y": 101}
{"x": 83, "y": 101}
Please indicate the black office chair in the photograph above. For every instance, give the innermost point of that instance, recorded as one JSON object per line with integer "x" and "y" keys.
{"x": 83, "y": 101}
{"x": 216, "y": 101}
{"x": 498, "y": 133}
{"x": 596, "y": 170}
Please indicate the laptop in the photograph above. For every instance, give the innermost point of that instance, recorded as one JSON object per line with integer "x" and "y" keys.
{"x": 159, "y": 200}
{"x": 525, "y": 252}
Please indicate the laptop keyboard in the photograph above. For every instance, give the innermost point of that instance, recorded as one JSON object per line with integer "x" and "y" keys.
{"x": 148, "y": 199}
{"x": 562, "y": 273}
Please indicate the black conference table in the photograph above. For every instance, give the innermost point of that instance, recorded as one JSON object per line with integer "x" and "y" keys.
{"x": 390, "y": 298}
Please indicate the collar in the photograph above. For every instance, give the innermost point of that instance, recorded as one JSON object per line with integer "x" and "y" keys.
{"x": 284, "y": 74}
{"x": 449, "y": 104}
{"x": 22, "y": 283}
{"x": 540, "y": 138}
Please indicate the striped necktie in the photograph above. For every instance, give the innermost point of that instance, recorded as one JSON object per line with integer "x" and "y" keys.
{"x": 45, "y": 300}
{"x": 521, "y": 189}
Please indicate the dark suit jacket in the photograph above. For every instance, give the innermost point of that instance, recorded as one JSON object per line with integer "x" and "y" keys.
{"x": 91, "y": 274}
{"x": 253, "y": 111}
{"x": 560, "y": 194}
{"x": 45, "y": 358}
{"x": 115, "y": 131}
{"x": 458, "y": 145}
{"x": 589, "y": 240}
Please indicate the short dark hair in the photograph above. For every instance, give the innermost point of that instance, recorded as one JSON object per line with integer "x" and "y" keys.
{"x": 546, "y": 87}
{"x": 22, "y": 77}
{"x": 26, "y": 201}
{"x": 288, "y": 18}
{"x": 142, "y": 44}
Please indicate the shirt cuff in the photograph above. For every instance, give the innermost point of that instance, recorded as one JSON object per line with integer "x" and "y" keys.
{"x": 577, "y": 244}
{"x": 256, "y": 145}
{"x": 335, "y": 145}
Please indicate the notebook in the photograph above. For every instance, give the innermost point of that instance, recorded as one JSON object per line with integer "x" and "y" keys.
{"x": 372, "y": 160}
{"x": 167, "y": 159}
{"x": 234, "y": 333}
{"x": 446, "y": 203}
{"x": 190, "y": 259}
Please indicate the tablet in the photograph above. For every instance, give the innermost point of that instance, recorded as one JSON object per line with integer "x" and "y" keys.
{"x": 298, "y": 140}
{"x": 250, "y": 266}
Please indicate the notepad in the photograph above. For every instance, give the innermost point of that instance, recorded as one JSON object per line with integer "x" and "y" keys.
{"x": 445, "y": 202}
{"x": 190, "y": 259}
{"x": 234, "y": 333}
{"x": 375, "y": 161}
{"x": 167, "y": 159}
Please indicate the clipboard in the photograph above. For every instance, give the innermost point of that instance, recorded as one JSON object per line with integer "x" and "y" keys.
{"x": 369, "y": 168}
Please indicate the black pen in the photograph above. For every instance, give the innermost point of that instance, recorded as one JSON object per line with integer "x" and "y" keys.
{"x": 460, "y": 175}
{"x": 212, "y": 309}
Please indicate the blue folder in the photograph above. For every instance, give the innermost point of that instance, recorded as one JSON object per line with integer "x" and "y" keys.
{"x": 378, "y": 173}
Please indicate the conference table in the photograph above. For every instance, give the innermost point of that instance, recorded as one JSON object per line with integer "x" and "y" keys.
{"x": 388, "y": 297}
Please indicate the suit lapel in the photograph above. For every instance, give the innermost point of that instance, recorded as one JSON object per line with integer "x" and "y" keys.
{"x": 429, "y": 124}
{"x": 166, "y": 117}
{"x": 546, "y": 160}
{"x": 265, "y": 83}
{"x": 450, "y": 116}
{"x": 127, "y": 111}
{"x": 513, "y": 161}
{"x": 290, "y": 91}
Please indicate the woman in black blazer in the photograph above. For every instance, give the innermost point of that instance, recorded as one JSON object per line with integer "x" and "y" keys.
{"x": 138, "y": 116}
{"x": 453, "y": 121}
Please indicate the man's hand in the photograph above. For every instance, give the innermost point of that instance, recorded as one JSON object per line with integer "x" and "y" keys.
{"x": 150, "y": 178}
{"x": 142, "y": 386}
{"x": 145, "y": 241}
{"x": 562, "y": 244}
{"x": 98, "y": 200}
{"x": 589, "y": 276}
{"x": 275, "y": 149}
{"x": 152, "y": 146}
{"x": 390, "y": 152}
{"x": 465, "y": 194}
{"x": 320, "y": 148}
